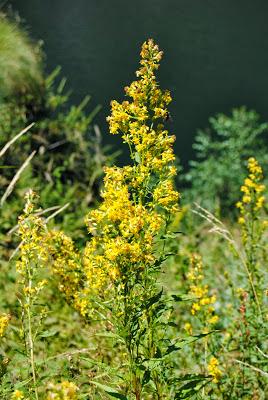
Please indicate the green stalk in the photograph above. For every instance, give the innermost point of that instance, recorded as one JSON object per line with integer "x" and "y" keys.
{"x": 31, "y": 347}
{"x": 30, "y": 336}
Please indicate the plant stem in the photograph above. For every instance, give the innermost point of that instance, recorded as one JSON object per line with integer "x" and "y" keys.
{"x": 31, "y": 347}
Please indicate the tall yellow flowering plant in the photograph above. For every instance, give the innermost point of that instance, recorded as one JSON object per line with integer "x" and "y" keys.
{"x": 251, "y": 324}
{"x": 138, "y": 200}
{"x": 121, "y": 262}
{"x": 245, "y": 341}
{"x": 33, "y": 256}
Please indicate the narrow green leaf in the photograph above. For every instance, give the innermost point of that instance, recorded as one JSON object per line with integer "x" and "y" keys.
{"x": 154, "y": 299}
{"x": 111, "y": 391}
{"x": 182, "y": 297}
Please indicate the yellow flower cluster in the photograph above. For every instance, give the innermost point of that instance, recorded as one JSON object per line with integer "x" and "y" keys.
{"x": 213, "y": 369}
{"x": 136, "y": 198}
{"x": 62, "y": 391}
{"x": 17, "y": 395}
{"x": 203, "y": 304}
{"x": 129, "y": 218}
{"x": 33, "y": 249}
{"x": 66, "y": 264}
{"x": 4, "y": 321}
{"x": 140, "y": 122}
{"x": 252, "y": 189}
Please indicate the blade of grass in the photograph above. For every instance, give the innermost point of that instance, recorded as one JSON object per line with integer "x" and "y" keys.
{"x": 16, "y": 178}
{"x": 13, "y": 140}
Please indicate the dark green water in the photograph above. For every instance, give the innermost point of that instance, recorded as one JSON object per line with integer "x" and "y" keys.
{"x": 216, "y": 53}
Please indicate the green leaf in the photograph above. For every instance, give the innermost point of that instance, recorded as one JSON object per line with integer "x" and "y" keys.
{"x": 146, "y": 377}
{"x": 162, "y": 259}
{"x": 171, "y": 235}
{"x": 50, "y": 333}
{"x": 111, "y": 391}
{"x": 154, "y": 299}
{"x": 182, "y": 297}
{"x": 137, "y": 158}
{"x": 192, "y": 387}
{"x": 183, "y": 342}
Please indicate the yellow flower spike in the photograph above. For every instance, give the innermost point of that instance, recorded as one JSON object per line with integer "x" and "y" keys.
{"x": 32, "y": 231}
{"x": 188, "y": 328}
{"x": 4, "y": 321}
{"x": 213, "y": 320}
{"x": 203, "y": 308}
{"x": 252, "y": 199}
{"x": 136, "y": 199}
{"x": 214, "y": 370}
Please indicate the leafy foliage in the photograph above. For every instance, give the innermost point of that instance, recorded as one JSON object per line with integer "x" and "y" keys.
{"x": 21, "y": 70}
{"x": 69, "y": 153}
{"x": 221, "y": 157}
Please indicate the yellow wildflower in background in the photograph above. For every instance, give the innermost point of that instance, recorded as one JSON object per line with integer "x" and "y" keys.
{"x": 4, "y": 321}
{"x": 252, "y": 190}
{"x": 66, "y": 265}
{"x": 62, "y": 391}
{"x": 33, "y": 249}
{"x": 251, "y": 204}
{"x": 203, "y": 304}
{"x": 17, "y": 395}
{"x": 213, "y": 369}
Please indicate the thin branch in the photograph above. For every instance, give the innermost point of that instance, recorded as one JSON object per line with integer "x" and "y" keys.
{"x": 262, "y": 353}
{"x": 71, "y": 353}
{"x": 8, "y": 144}
{"x": 16, "y": 178}
{"x": 57, "y": 212}
{"x": 252, "y": 367}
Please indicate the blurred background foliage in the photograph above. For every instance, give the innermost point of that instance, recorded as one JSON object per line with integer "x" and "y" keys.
{"x": 222, "y": 150}
{"x": 69, "y": 158}
{"x": 21, "y": 70}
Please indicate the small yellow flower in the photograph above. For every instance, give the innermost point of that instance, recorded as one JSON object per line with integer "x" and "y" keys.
{"x": 17, "y": 395}
{"x": 4, "y": 321}
{"x": 188, "y": 327}
{"x": 62, "y": 391}
{"x": 214, "y": 370}
{"x": 195, "y": 307}
{"x": 241, "y": 220}
{"x": 213, "y": 320}
{"x": 239, "y": 204}
{"x": 265, "y": 224}
{"x": 246, "y": 199}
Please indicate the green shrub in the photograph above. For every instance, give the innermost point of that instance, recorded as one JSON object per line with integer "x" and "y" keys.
{"x": 221, "y": 158}
{"x": 20, "y": 61}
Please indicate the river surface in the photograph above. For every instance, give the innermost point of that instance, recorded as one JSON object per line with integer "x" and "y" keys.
{"x": 216, "y": 53}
